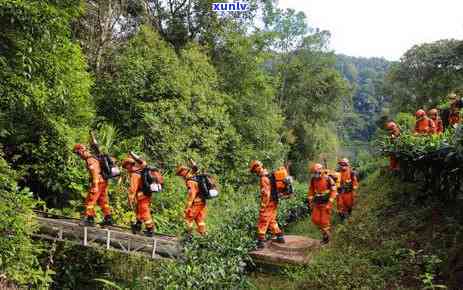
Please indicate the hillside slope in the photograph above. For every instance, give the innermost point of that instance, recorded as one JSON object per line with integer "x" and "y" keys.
{"x": 392, "y": 241}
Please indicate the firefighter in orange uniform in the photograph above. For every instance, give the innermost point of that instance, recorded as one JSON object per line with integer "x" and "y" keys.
{"x": 347, "y": 190}
{"x": 322, "y": 192}
{"x": 424, "y": 125}
{"x": 195, "y": 208}
{"x": 434, "y": 115}
{"x": 394, "y": 132}
{"x": 137, "y": 197}
{"x": 268, "y": 207}
{"x": 98, "y": 192}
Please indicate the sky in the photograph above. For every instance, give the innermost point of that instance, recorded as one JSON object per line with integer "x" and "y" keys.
{"x": 382, "y": 28}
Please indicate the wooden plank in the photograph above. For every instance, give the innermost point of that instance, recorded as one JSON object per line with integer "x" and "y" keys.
{"x": 109, "y": 238}
{"x": 51, "y": 238}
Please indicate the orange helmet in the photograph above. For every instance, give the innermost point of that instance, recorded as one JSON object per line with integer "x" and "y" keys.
{"x": 391, "y": 125}
{"x": 79, "y": 147}
{"x": 127, "y": 161}
{"x": 433, "y": 112}
{"x": 344, "y": 162}
{"x": 254, "y": 164}
{"x": 420, "y": 113}
{"x": 317, "y": 167}
{"x": 182, "y": 170}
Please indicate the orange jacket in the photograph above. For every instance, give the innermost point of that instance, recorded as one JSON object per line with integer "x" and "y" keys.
{"x": 425, "y": 126}
{"x": 347, "y": 176}
{"x": 94, "y": 169}
{"x": 193, "y": 193}
{"x": 265, "y": 189}
{"x": 439, "y": 125}
{"x": 454, "y": 118}
{"x": 135, "y": 184}
{"x": 135, "y": 180}
{"x": 321, "y": 186}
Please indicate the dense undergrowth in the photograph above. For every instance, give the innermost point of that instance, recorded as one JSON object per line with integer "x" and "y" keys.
{"x": 18, "y": 261}
{"x": 394, "y": 240}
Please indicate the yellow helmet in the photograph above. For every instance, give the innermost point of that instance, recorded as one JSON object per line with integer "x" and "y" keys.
{"x": 127, "y": 161}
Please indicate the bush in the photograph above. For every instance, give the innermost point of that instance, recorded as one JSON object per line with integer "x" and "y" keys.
{"x": 18, "y": 254}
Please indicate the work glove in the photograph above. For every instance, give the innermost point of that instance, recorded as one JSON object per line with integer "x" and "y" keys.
{"x": 329, "y": 205}
{"x": 309, "y": 204}
{"x": 187, "y": 212}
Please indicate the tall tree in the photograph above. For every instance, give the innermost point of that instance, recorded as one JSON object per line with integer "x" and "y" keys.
{"x": 426, "y": 73}
{"x": 104, "y": 25}
{"x": 44, "y": 92}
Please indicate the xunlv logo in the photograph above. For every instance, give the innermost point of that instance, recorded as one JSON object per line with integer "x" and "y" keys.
{"x": 236, "y": 6}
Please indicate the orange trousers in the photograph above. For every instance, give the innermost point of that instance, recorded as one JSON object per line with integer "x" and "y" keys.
{"x": 345, "y": 202}
{"x": 143, "y": 210}
{"x": 268, "y": 220}
{"x": 196, "y": 214}
{"x": 321, "y": 217}
{"x": 97, "y": 194}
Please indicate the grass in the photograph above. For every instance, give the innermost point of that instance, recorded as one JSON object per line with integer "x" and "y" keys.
{"x": 392, "y": 241}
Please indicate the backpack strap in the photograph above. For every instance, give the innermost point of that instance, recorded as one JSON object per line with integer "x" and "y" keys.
{"x": 273, "y": 187}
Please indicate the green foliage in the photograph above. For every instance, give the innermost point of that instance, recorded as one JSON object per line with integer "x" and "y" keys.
{"x": 310, "y": 91}
{"x": 389, "y": 242}
{"x": 416, "y": 145}
{"x": 366, "y": 76}
{"x": 171, "y": 103}
{"x": 44, "y": 92}
{"x": 310, "y": 143}
{"x": 18, "y": 254}
{"x": 406, "y": 122}
{"x": 425, "y": 74}
{"x": 250, "y": 98}
{"x": 185, "y": 84}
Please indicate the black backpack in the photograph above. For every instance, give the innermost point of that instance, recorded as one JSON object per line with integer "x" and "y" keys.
{"x": 274, "y": 192}
{"x": 207, "y": 187}
{"x": 150, "y": 184}
{"x": 109, "y": 169}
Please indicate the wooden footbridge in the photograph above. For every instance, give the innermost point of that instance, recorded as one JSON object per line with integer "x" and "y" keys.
{"x": 296, "y": 251}
{"x": 114, "y": 238}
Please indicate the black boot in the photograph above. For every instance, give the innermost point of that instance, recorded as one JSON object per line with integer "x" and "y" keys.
{"x": 280, "y": 239}
{"x": 325, "y": 239}
{"x": 342, "y": 217}
{"x": 89, "y": 221}
{"x": 350, "y": 211}
{"x": 149, "y": 232}
{"x": 107, "y": 221}
{"x": 136, "y": 227}
{"x": 260, "y": 244}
